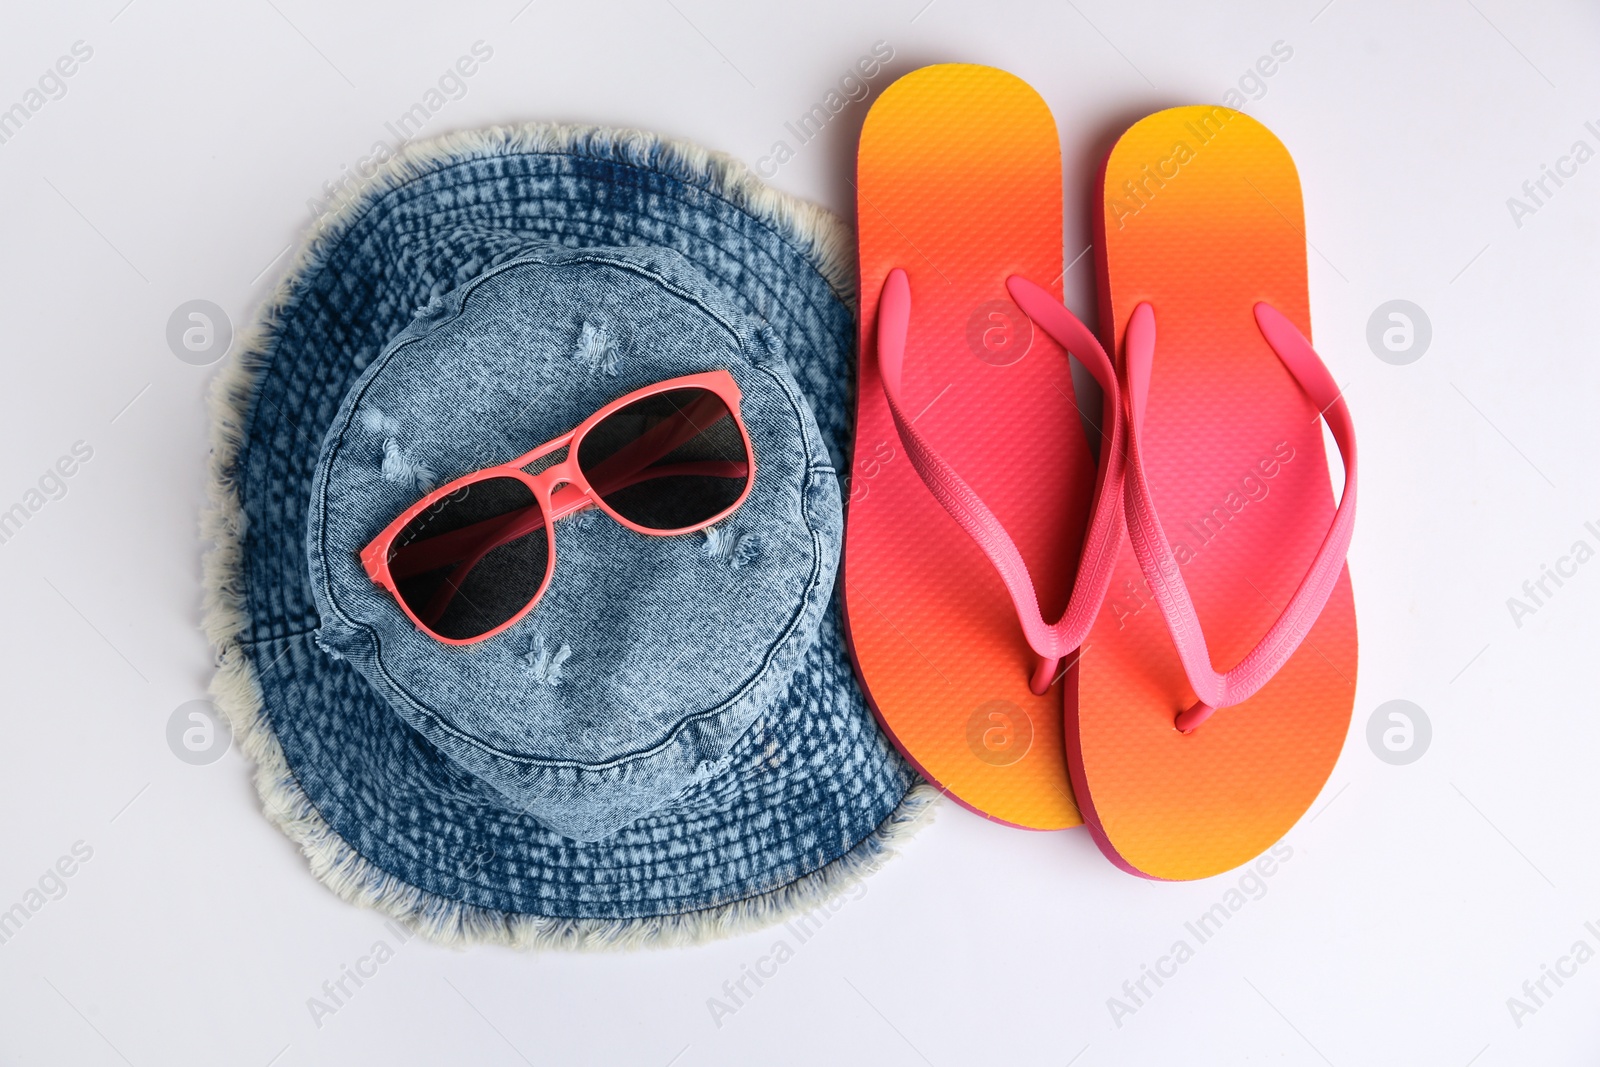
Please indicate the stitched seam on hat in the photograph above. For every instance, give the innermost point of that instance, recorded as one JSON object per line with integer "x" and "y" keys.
{"x": 379, "y": 197}
{"x": 670, "y": 223}
{"x": 252, "y": 642}
{"x": 817, "y": 310}
{"x": 677, "y": 730}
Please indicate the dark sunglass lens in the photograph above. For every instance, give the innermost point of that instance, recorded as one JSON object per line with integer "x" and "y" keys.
{"x": 668, "y": 461}
{"x": 474, "y": 559}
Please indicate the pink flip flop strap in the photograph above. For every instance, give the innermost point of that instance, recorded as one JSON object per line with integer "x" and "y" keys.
{"x": 1215, "y": 690}
{"x": 1098, "y": 556}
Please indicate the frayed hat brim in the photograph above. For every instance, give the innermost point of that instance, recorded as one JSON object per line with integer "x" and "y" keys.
{"x": 237, "y": 688}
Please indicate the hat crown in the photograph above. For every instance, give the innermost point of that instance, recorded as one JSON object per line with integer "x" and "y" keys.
{"x": 647, "y": 657}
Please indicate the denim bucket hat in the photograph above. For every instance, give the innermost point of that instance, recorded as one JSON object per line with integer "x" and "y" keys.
{"x": 670, "y": 746}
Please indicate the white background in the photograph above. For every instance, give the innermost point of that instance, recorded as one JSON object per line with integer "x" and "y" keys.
{"x": 1418, "y": 898}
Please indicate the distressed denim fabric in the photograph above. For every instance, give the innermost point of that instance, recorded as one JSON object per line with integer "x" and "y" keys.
{"x": 414, "y": 775}
{"x": 669, "y": 646}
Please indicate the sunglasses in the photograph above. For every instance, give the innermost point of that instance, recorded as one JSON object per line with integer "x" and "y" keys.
{"x": 475, "y": 555}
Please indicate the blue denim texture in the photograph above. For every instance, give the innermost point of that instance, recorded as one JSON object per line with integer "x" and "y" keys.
{"x": 730, "y": 818}
{"x": 672, "y": 647}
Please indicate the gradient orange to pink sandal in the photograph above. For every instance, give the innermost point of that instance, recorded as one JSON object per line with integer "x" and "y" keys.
{"x": 959, "y": 185}
{"x": 1200, "y": 216}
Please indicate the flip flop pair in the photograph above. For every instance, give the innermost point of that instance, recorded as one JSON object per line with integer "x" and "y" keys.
{"x": 1196, "y": 526}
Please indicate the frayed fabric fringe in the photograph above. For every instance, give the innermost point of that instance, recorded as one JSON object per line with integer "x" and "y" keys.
{"x": 237, "y": 692}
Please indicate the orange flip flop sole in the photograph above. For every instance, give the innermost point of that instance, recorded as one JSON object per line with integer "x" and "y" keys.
{"x": 959, "y": 184}
{"x": 1201, "y": 216}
